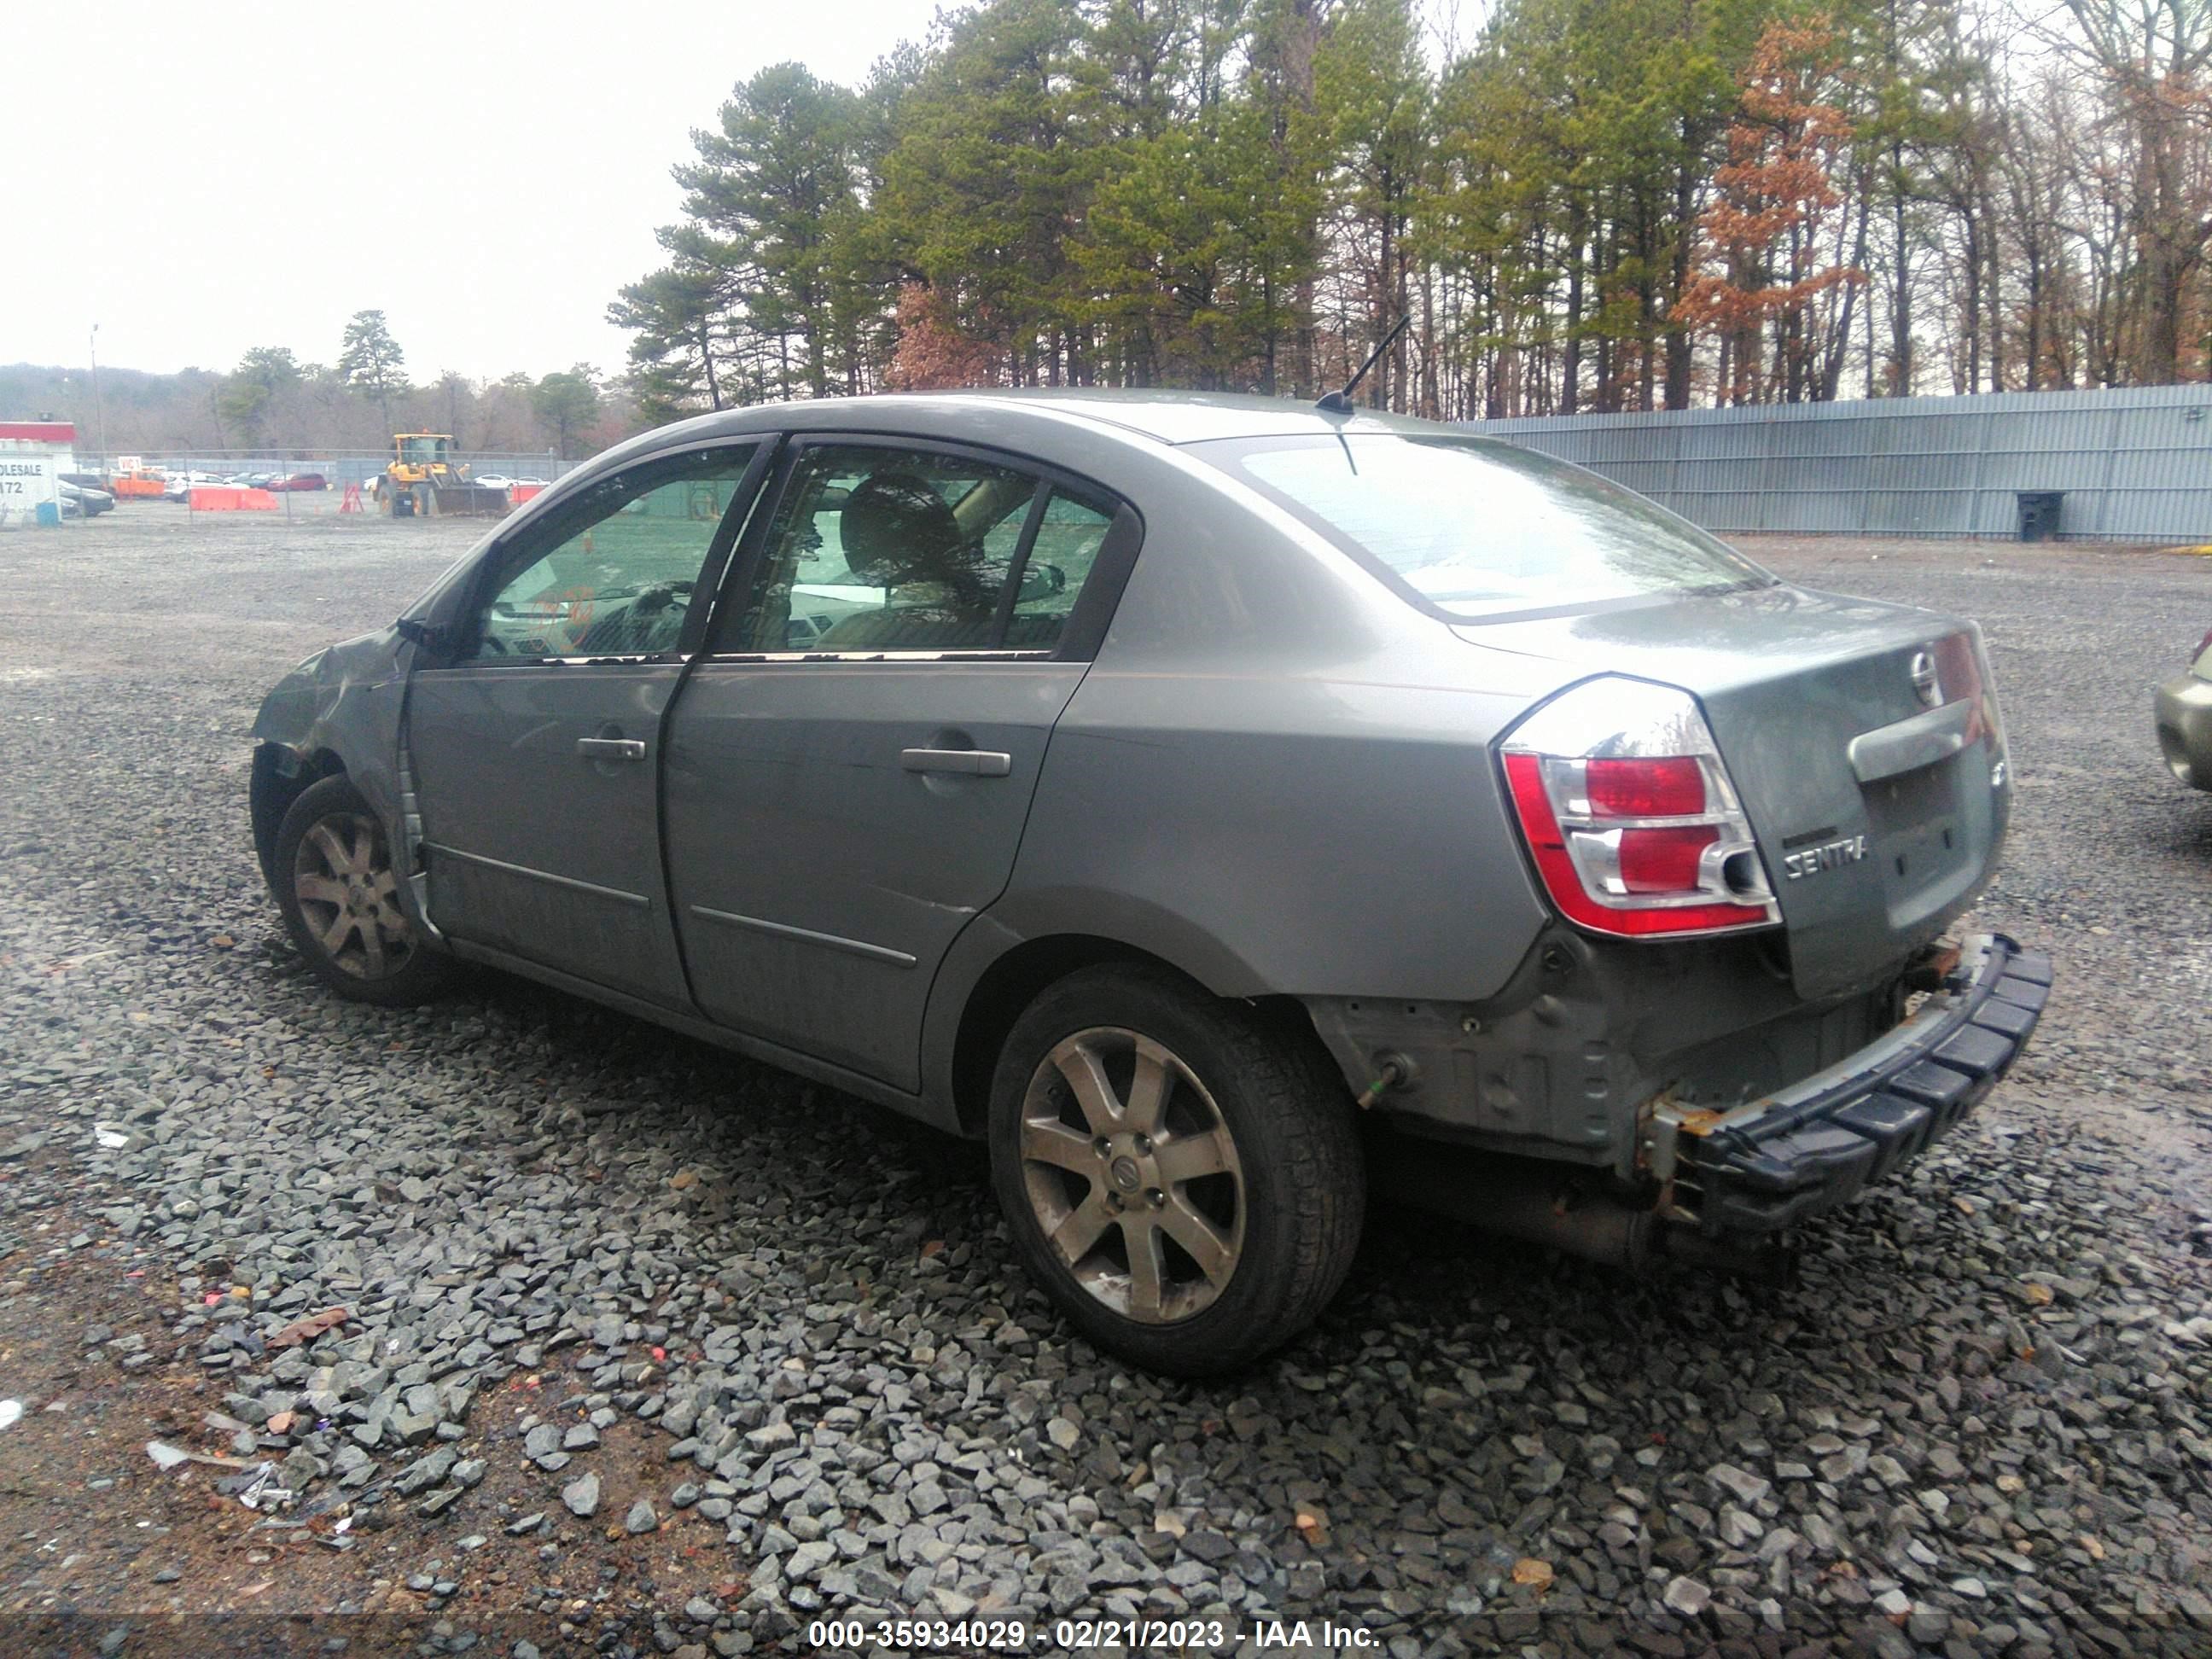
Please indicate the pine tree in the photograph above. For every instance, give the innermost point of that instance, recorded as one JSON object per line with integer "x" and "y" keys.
{"x": 371, "y": 362}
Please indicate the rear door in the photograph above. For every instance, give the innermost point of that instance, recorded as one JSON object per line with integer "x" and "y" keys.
{"x": 851, "y": 764}
{"x": 534, "y": 740}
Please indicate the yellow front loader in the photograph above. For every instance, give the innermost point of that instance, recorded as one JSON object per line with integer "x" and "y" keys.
{"x": 424, "y": 480}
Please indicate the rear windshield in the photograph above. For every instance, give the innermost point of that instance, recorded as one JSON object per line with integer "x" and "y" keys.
{"x": 1475, "y": 529}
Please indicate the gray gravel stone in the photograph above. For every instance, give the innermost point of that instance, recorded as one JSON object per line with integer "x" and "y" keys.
{"x": 582, "y": 1495}
{"x": 1688, "y": 1597}
{"x": 872, "y": 1401}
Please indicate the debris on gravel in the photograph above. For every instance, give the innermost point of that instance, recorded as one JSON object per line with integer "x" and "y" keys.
{"x": 466, "y": 1276}
{"x": 582, "y": 1495}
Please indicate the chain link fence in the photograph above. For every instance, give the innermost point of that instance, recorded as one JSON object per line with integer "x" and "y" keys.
{"x": 341, "y": 471}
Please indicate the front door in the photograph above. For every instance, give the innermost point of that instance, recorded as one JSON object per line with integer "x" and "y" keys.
{"x": 534, "y": 740}
{"x": 851, "y": 764}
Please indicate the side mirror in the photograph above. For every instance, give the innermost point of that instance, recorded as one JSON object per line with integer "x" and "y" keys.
{"x": 424, "y": 636}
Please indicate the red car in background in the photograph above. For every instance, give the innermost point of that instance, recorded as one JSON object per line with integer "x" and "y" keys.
{"x": 298, "y": 481}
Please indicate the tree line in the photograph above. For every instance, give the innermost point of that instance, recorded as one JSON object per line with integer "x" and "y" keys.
{"x": 272, "y": 399}
{"x": 1586, "y": 205}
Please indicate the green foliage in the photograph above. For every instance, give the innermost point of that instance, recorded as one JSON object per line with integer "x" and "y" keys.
{"x": 674, "y": 353}
{"x": 1248, "y": 193}
{"x": 565, "y": 402}
{"x": 769, "y": 198}
{"x": 370, "y": 361}
{"x": 243, "y": 403}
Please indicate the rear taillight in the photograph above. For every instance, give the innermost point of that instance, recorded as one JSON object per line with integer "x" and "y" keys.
{"x": 1962, "y": 675}
{"x": 1958, "y": 679}
{"x": 1630, "y": 816}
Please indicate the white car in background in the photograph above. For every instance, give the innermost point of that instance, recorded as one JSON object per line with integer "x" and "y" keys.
{"x": 494, "y": 481}
{"x": 179, "y": 485}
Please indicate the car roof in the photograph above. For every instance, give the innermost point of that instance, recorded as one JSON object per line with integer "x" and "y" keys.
{"x": 1185, "y": 418}
{"x": 1166, "y": 417}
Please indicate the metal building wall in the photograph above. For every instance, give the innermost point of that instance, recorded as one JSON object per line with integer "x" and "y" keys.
{"x": 2135, "y": 464}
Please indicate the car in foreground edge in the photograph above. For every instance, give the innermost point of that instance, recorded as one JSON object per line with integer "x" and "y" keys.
{"x": 2182, "y": 714}
{"x": 1212, "y": 804}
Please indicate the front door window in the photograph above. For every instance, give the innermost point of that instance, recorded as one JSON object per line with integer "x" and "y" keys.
{"x": 616, "y": 572}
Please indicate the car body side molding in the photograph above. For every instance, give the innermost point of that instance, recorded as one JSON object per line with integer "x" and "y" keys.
{"x": 807, "y": 935}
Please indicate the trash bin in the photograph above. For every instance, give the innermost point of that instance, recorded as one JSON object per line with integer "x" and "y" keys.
{"x": 2039, "y": 513}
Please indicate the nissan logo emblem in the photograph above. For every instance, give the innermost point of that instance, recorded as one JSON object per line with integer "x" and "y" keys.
{"x": 1931, "y": 689}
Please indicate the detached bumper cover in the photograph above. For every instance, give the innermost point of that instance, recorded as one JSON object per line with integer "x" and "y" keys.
{"x": 1768, "y": 1164}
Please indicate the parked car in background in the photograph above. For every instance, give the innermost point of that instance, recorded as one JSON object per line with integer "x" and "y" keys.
{"x": 2182, "y": 715}
{"x": 179, "y": 485}
{"x": 91, "y": 502}
{"x": 298, "y": 481}
{"x": 1204, "y": 801}
{"x": 493, "y": 481}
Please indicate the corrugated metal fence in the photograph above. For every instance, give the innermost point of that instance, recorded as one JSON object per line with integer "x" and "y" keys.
{"x": 2133, "y": 464}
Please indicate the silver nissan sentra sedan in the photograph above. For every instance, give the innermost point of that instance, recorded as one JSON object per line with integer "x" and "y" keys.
{"x": 1214, "y": 803}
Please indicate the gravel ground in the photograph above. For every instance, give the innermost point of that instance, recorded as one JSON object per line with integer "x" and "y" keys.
{"x": 627, "y": 1281}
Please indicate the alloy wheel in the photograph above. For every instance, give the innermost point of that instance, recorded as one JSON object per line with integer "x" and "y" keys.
{"x": 1133, "y": 1175}
{"x": 349, "y": 897}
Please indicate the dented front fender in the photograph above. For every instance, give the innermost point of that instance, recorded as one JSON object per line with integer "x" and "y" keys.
{"x": 338, "y": 711}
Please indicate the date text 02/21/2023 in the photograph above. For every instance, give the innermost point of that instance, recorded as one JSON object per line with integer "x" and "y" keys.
{"x": 975, "y": 1635}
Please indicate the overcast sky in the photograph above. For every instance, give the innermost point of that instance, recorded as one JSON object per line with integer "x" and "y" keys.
{"x": 198, "y": 180}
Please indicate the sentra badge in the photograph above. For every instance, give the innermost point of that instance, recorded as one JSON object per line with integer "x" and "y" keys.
{"x": 1828, "y": 855}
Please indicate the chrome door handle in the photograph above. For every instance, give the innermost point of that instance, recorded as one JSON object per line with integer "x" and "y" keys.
{"x": 968, "y": 762}
{"x": 610, "y": 748}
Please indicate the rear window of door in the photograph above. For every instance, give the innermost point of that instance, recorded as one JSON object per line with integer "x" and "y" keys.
{"x": 882, "y": 550}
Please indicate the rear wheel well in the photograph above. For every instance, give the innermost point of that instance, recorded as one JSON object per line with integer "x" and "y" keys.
{"x": 1018, "y": 978}
{"x": 274, "y": 790}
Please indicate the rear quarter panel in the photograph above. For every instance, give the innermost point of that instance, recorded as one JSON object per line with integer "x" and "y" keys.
{"x": 1276, "y": 773}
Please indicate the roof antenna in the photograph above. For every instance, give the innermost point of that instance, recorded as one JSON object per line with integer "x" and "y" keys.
{"x": 1340, "y": 403}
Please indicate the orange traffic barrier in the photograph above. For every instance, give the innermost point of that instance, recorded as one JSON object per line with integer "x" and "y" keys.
{"x": 222, "y": 498}
{"x": 350, "y": 501}
{"x": 518, "y": 494}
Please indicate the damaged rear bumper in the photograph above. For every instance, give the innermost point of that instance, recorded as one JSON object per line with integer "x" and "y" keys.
{"x": 1764, "y": 1166}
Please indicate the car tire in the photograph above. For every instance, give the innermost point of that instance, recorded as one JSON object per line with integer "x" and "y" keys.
{"x": 340, "y": 897}
{"x": 1182, "y": 1178}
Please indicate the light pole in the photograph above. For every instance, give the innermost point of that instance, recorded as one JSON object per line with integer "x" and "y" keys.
{"x": 99, "y": 408}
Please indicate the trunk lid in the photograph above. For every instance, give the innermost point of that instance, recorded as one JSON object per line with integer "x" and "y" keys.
{"x": 1879, "y": 816}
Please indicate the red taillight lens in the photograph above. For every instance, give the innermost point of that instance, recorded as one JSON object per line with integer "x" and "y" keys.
{"x": 1670, "y": 788}
{"x": 1958, "y": 678}
{"x": 1957, "y": 672}
{"x": 1664, "y": 861}
{"x": 1633, "y": 843}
